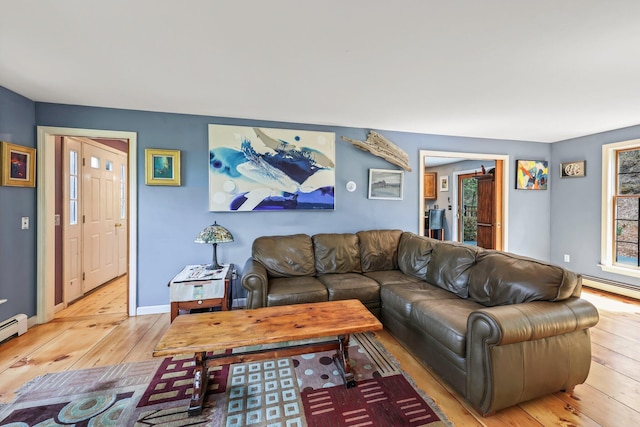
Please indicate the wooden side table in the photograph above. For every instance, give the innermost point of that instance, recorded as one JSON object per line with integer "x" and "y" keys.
{"x": 193, "y": 291}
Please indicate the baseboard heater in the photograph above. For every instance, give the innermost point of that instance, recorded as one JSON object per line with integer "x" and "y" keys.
{"x": 16, "y": 325}
{"x": 611, "y": 286}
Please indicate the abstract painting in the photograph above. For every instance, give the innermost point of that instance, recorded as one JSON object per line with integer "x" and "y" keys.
{"x": 532, "y": 174}
{"x": 268, "y": 169}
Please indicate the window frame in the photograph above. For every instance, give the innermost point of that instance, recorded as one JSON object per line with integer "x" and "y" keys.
{"x": 609, "y": 191}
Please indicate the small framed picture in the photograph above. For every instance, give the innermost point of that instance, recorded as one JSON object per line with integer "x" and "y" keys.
{"x": 162, "y": 167}
{"x": 577, "y": 169}
{"x": 18, "y": 165}
{"x": 444, "y": 183}
{"x": 385, "y": 184}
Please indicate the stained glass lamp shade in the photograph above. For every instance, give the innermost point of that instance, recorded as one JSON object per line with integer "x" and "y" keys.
{"x": 213, "y": 235}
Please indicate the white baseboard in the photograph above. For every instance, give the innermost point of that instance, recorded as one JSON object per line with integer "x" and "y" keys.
{"x": 153, "y": 309}
{"x": 239, "y": 303}
{"x": 160, "y": 309}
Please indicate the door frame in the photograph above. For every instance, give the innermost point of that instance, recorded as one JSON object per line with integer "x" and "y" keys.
{"x": 45, "y": 254}
{"x": 470, "y": 156}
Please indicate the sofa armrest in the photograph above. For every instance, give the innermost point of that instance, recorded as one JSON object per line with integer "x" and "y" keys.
{"x": 255, "y": 281}
{"x": 513, "y": 323}
{"x": 522, "y": 351}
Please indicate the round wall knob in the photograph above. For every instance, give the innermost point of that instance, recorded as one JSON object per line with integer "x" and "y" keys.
{"x": 351, "y": 186}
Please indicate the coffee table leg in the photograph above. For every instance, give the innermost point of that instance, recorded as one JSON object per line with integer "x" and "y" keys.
{"x": 341, "y": 359}
{"x": 200, "y": 379}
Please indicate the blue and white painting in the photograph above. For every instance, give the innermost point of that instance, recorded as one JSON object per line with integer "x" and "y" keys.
{"x": 266, "y": 169}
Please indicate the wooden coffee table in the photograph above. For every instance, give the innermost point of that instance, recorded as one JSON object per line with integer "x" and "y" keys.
{"x": 204, "y": 333}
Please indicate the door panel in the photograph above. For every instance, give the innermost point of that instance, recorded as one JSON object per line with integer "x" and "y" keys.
{"x": 121, "y": 224}
{"x": 100, "y": 255}
{"x": 71, "y": 224}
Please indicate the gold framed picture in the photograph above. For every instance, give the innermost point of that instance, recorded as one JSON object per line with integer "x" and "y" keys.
{"x": 162, "y": 167}
{"x": 18, "y": 165}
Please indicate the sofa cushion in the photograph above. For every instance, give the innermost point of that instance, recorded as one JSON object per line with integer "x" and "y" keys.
{"x": 500, "y": 278}
{"x": 450, "y": 266}
{"x": 296, "y": 290}
{"x": 285, "y": 256}
{"x": 336, "y": 253}
{"x": 389, "y": 277}
{"x": 414, "y": 253}
{"x": 445, "y": 321}
{"x": 351, "y": 286}
{"x": 400, "y": 297}
{"x": 379, "y": 249}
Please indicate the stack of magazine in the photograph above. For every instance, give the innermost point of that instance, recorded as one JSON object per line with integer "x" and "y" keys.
{"x": 198, "y": 272}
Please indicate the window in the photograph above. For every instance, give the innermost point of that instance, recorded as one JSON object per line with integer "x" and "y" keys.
{"x": 621, "y": 207}
{"x": 73, "y": 187}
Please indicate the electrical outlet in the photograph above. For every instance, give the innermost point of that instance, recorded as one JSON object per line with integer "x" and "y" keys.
{"x": 567, "y": 258}
{"x": 25, "y": 222}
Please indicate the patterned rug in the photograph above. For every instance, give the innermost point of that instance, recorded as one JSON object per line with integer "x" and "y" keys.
{"x": 296, "y": 391}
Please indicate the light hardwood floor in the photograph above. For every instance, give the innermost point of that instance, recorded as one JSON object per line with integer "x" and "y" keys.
{"x": 97, "y": 331}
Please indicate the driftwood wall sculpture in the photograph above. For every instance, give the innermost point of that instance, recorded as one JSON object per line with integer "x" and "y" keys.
{"x": 380, "y": 146}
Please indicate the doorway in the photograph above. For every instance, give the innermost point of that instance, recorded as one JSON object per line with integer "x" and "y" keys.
{"x": 46, "y": 214}
{"x": 452, "y": 199}
{"x": 91, "y": 247}
{"x": 467, "y": 209}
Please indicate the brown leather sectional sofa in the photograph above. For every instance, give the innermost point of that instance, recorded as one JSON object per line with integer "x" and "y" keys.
{"x": 499, "y": 328}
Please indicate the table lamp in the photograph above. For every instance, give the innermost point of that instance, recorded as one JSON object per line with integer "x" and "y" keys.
{"x": 214, "y": 234}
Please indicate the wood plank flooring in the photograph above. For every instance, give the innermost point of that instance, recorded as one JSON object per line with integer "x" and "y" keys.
{"x": 96, "y": 331}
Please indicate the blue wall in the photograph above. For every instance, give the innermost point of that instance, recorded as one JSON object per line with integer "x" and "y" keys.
{"x": 170, "y": 217}
{"x": 576, "y": 203}
{"x": 17, "y": 246}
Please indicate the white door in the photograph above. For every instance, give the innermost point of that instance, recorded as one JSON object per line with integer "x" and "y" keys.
{"x": 71, "y": 220}
{"x": 121, "y": 225}
{"x": 101, "y": 191}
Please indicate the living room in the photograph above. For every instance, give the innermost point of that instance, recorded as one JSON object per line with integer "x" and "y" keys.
{"x": 564, "y": 219}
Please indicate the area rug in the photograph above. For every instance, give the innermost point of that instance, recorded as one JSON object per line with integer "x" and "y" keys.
{"x": 296, "y": 391}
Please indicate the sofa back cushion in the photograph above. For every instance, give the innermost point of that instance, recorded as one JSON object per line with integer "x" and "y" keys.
{"x": 500, "y": 278}
{"x": 379, "y": 249}
{"x": 336, "y": 253}
{"x": 450, "y": 267}
{"x": 414, "y": 254}
{"x": 285, "y": 256}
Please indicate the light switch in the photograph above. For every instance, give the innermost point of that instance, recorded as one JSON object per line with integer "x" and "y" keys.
{"x": 25, "y": 222}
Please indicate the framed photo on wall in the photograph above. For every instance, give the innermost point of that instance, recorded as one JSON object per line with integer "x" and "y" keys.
{"x": 385, "y": 184}
{"x": 18, "y": 165}
{"x": 162, "y": 167}
{"x": 576, "y": 169}
{"x": 444, "y": 183}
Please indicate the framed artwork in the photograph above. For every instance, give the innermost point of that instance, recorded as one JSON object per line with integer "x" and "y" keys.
{"x": 18, "y": 165}
{"x": 385, "y": 184}
{"x": 444, "y": 183}
{"x": 576, "y": 169}
{"x": 162, "y": 167}
{"x": 532, "y": 174}
{"x": 270, "y": 169}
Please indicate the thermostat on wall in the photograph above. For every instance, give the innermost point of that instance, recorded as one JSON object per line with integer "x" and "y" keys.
{"x": 351, "y": 186}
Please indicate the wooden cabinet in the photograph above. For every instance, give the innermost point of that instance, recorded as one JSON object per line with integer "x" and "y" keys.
{"x": 486, "y": 214}
{"x": 430, "y": 185}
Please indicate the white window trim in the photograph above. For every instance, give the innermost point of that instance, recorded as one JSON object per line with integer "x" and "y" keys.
{"x": 608, "y": 190}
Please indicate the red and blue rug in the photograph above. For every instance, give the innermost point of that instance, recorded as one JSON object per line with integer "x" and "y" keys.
{"x": 303, "y": 390}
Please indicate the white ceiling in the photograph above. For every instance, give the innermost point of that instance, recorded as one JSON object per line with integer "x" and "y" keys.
{"x": 539, "y": 70}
